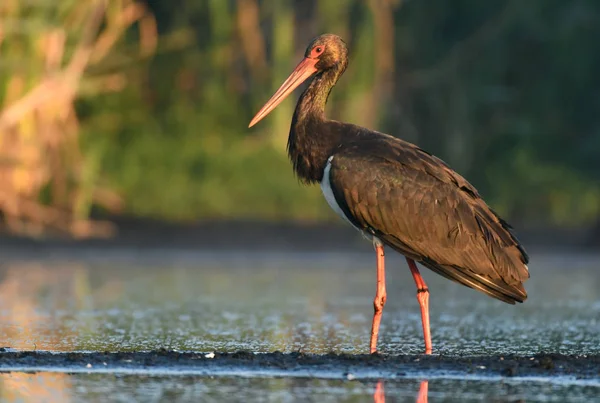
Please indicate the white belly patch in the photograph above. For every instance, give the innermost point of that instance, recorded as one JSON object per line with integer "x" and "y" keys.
{"x": 328, "y": 193}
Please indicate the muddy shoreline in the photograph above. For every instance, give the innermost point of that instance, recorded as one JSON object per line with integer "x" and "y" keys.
{"x": 299, "y": 364}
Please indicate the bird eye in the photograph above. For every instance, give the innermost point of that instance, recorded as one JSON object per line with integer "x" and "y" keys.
{"x": 316, "y": 51}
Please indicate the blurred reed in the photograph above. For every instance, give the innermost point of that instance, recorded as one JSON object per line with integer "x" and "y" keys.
{"x": 47, "y": 50}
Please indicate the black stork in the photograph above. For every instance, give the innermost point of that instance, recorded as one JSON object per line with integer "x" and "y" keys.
{"x": 396, "y": 194}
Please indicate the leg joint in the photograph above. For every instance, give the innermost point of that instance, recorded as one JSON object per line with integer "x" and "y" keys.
{"x": 379, "y": 303}
{"x": 421, "y": 290}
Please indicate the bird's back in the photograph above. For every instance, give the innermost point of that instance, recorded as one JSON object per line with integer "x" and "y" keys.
{"x": 416, "y": 204}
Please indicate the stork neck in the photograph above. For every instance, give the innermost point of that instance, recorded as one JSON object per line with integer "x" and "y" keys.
{"x": 312, "y": 140}
{"x": 311, "y": 105}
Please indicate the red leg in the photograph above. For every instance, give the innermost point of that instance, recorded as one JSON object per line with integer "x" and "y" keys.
{"x": 379, "y": 395}
{"x": 423, "y": 391}
{"x": 423, "y": 298}
{"x": 380, "y": 296}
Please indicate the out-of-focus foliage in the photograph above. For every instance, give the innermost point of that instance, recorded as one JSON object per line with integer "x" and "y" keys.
{"x": 507, "y": 92}
{"x": 48, "y": 53}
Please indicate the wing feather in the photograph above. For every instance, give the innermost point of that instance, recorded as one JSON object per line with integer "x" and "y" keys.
{"x": 416, "y": 204}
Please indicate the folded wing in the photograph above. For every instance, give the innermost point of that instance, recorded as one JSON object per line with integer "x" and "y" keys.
{"x": 417, "y": 205}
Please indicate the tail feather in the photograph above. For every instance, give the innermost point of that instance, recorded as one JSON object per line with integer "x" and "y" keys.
{"x": 509, "y": 293}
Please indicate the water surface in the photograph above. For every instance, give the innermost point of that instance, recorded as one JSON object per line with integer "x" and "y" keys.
{"x": 265, "y": 302}
{"x": 313, "y": 303}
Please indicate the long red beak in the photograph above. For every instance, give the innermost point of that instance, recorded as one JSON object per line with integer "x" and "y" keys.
{"x": 301, "y": 73}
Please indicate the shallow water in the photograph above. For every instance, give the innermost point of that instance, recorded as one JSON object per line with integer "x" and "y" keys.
{"x": 264, "y": 302}
{"x": 314, "y": 304}
{"x": 128, "y": 388}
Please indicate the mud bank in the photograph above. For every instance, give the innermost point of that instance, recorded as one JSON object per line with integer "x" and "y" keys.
{"x": 298, "y": 364}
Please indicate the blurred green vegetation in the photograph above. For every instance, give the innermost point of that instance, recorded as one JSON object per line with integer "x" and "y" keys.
{"x": 505, "y": 91}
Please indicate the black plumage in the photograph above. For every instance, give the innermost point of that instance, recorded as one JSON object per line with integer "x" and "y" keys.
{"x": 415, "y": 204}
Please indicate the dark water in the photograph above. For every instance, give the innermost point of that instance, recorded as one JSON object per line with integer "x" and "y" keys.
{"x": 61, "y": 387}
{"x": 265, "y": 302}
